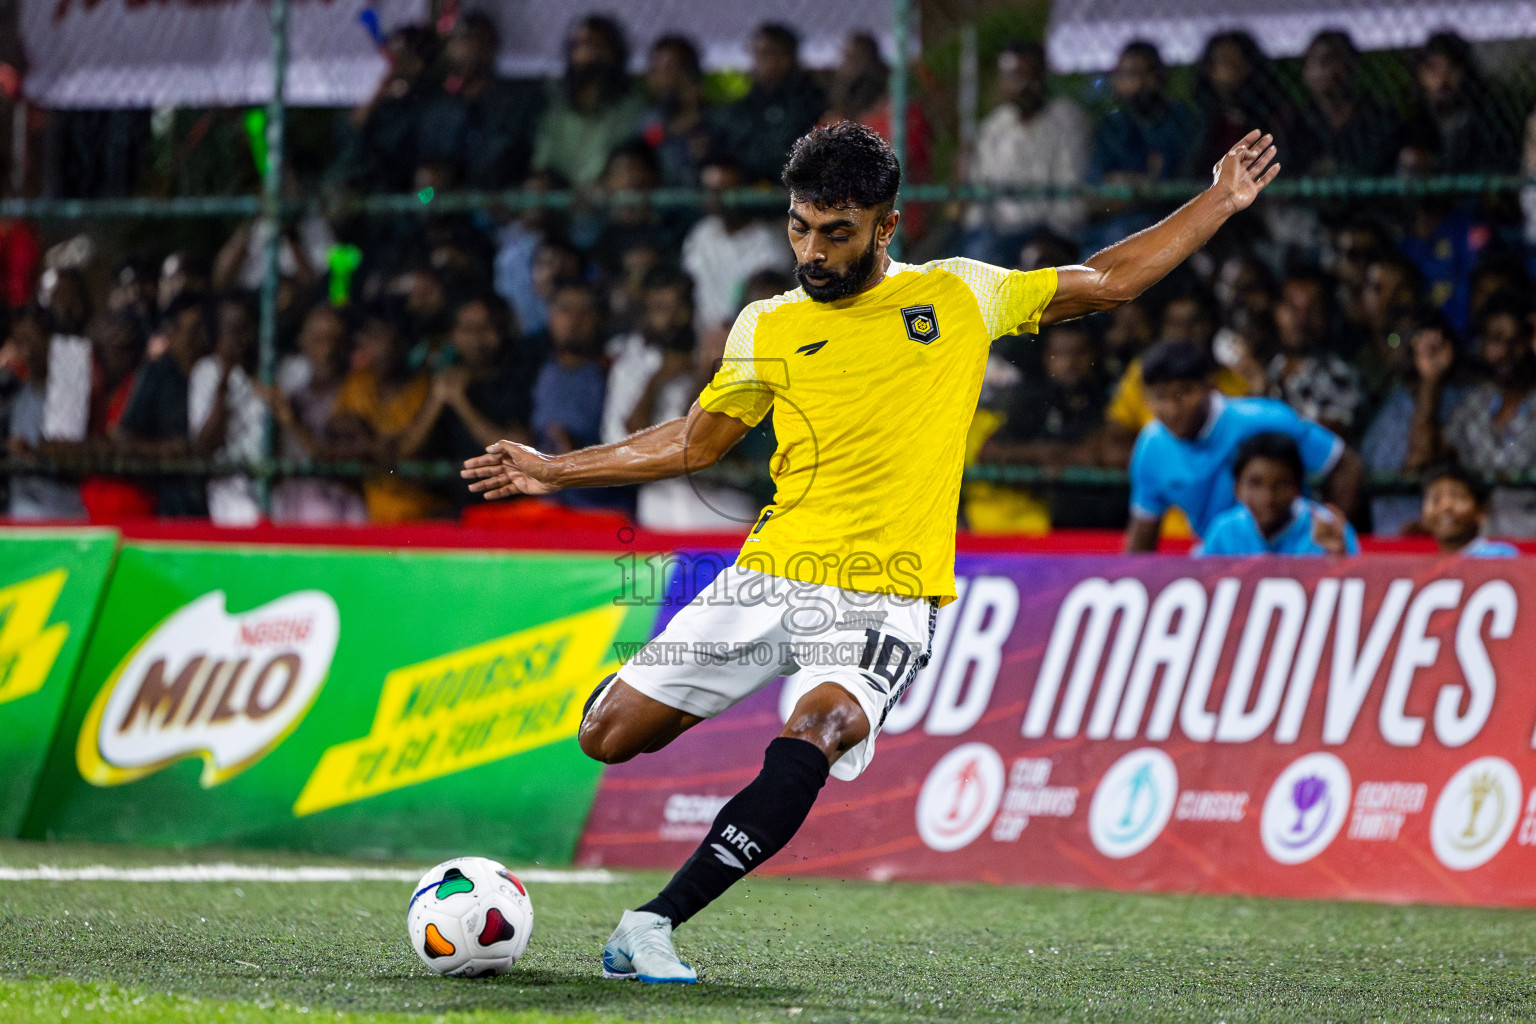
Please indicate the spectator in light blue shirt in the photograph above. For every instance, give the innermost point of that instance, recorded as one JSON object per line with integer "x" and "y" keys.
{"x": 1455, "y": 511}
{"x": 1271, "y": 516}
{"x": 1184, "y": 457}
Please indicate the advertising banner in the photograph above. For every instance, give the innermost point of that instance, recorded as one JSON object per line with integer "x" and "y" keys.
{"x": 339, "y": 700}
{"x": 1353, "y": 729}
{"x": 50, "y": 586}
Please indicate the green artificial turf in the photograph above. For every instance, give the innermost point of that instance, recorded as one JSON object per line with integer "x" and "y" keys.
{"x": 772, "y": 950}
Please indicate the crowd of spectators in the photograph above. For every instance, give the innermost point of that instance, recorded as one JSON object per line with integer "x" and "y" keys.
{"x": 1404, "y": 325}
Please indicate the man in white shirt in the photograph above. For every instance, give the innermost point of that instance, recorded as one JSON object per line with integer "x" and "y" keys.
{"x": 728, "y": 246}
{"x": 1029, "y": 139}
{"x": 225, "y": 414}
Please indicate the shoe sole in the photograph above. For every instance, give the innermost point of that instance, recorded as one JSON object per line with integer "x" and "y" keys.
{"x": 646, "y": 978}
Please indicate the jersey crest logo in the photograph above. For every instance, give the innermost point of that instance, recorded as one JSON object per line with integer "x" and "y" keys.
{"x": 922, "y": 325}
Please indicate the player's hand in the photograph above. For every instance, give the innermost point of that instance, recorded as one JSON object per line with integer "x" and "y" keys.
{"x": 1246, "y": 169}
{"x": 509, "y": 468}
{"x": 1328, "y": 529}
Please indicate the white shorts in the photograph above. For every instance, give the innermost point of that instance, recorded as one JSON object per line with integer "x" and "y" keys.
{"x": 748, "y": 628}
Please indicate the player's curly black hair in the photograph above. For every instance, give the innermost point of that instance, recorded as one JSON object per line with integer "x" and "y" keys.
{"x": 1274, "y": 446}
{"x": 843, "y": 164}
{"x": 1176, "y": 361}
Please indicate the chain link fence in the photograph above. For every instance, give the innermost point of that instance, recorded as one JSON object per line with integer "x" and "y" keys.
{"x": 1370, "y": 125}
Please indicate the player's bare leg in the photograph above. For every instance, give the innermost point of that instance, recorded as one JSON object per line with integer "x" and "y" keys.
{"x": 753, "y": 825}
{"x": 621, "y": 722}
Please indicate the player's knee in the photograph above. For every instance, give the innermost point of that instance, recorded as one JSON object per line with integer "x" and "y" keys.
{"x": 830, "y": 718}
{"x": 602, "y": 743}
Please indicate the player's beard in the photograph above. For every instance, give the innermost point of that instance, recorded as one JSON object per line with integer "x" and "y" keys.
{"x": 839, "y": 286}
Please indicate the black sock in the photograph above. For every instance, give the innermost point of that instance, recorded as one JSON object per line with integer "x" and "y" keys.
{"x": 754, "y": 825}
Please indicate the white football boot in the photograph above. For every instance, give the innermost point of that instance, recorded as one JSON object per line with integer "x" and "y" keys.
{"x": 641, "y": 947}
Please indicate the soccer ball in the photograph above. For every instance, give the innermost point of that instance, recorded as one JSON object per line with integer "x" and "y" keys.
{"x": 470, "y": 918}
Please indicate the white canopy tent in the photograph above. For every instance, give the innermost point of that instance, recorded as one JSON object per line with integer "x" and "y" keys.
{"x": 1087, "y": 35}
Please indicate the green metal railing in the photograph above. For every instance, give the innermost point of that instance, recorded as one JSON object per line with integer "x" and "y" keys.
{"x": 514, "y": 200}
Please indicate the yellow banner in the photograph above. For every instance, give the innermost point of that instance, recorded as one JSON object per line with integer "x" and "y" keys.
{"x": 27, "y": 649}
{"x": 469, "y": 708}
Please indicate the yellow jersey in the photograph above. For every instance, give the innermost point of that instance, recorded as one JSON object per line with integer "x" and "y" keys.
{"x": 872, "y": 397}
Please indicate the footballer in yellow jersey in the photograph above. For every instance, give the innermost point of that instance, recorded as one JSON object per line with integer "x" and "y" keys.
{"x": 871, "y": 369}
{"x": 872, "y": 398}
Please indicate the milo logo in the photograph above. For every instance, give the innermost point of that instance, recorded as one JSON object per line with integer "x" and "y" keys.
{"x": 207, "y": 683}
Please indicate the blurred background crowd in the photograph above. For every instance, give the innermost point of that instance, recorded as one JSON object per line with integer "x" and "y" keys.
{"x": 129, "y": 376}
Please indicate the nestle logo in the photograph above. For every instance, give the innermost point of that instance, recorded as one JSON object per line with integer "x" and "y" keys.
{"x": 271, "y": 632}
{"x": 209, "y": 683}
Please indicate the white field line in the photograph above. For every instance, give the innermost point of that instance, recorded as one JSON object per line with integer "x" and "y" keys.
{"x": 263, "y": 873}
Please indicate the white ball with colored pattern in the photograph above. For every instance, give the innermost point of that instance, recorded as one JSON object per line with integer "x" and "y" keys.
{"x": 470, "y": 918}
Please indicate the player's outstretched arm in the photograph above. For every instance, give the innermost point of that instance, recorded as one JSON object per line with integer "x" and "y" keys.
{"x": 1118, "y": 274}
{"x": 680, "y": 446}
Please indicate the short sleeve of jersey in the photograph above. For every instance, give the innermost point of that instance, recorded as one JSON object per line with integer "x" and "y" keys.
{"x": 1011, "y": 301}
{"x": 1147, "y": 501}
{"x": 740, "y": 388}
{"x": 1223, "y": 537}
{"x": 1320, "y": 447}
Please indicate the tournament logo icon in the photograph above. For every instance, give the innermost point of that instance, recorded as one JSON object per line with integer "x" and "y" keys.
{"x": 1133, "y": 802}
{"x": 1476, "y": 813}
{"x": 960, "y": 797}
{"x": 1305, "y": 808}
{"x": 922, "y": 324}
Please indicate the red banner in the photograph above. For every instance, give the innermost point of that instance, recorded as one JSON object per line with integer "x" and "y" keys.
{"x": 1357, "y": 729}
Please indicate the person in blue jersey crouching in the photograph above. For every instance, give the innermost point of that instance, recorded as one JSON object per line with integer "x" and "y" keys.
{"x": 1184, "y": 457}
{"x": 1272, "y": 516}
{"x": 1455, "y": 511}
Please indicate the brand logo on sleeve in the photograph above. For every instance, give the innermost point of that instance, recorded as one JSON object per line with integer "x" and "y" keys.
{"x": 922, "y": 324}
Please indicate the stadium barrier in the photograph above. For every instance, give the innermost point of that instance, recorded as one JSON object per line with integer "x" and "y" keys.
{"x": 1354, "y": 729}
{"x": 1345, "y": 730}
{"x": 50, "y": 588}
{"x": 365, "y": 702}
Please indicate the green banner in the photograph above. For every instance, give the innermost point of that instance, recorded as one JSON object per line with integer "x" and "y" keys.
{"x": 339, "y": 701}
{"x": 50, "y": 585}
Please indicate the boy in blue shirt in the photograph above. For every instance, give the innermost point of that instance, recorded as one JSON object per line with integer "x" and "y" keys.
{"x": 1271, "y": 516}
{"x": 1454, "y": 511}
{"x": 1184, "y": 456}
